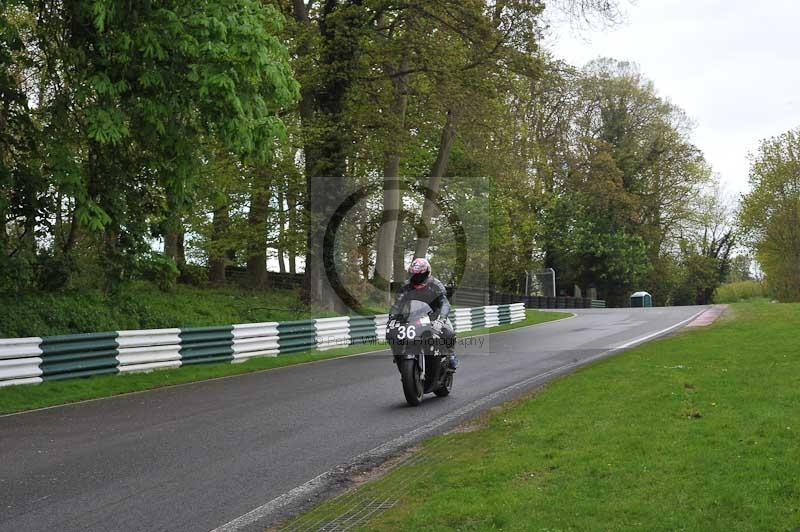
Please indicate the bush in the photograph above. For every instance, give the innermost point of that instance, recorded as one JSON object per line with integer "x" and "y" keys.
{"x": 159, "y": 269}
{"x": 741, "y": 291}
{"x": 16, "y": 273}
{"x": 142, "y": 305}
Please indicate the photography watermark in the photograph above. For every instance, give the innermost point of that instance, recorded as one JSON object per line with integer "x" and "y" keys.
{"x": 359, "y": 199}
{"x": 466, "y": 343}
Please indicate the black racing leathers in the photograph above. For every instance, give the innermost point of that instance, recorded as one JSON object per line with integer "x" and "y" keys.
{"x": 434, "y": 294}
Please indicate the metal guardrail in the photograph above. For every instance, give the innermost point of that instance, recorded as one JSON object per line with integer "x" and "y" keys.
{"x": 32, "y": 360}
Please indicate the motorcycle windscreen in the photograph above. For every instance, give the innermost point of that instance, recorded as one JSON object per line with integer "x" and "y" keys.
{"x": 415, "y": 310}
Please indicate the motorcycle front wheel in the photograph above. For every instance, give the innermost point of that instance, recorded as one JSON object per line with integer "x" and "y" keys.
{"x": 412, "y": 383}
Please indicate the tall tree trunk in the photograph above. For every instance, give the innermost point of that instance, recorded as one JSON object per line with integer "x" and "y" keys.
{"x": 281, "y": 261}
{"x": 217, "y": 256}
{"x": 392, "y": 194}
{"x": 292, "y": 229}
{"x": 3, "y": 233}
{"x": 5, "y": 161}
{"x": 399, "y": 262}
{"x": 306, "y": 107}
{"x": 435, "y": 183}
{"x": 326, "y": 155}
{"x": 257, "y": 220}
{"x": 174, "y": 241}
{"x": 181, "y": 249}
{"x": 171, "y": 245}
{"x": 74, "y": 228}
{"x": 281, "y": 232}
{"x": 173, "y": 234}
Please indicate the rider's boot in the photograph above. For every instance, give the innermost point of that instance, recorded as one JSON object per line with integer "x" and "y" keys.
{"x": 452, "y": 361}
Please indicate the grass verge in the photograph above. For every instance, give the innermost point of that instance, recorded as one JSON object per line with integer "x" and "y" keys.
{"x": 28, "y": 397}
{"x": 694, "y": 432}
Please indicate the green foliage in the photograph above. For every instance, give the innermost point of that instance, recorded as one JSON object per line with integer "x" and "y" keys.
{"x": 16, "y": 273}
{"x": 740, "y": 291}
{"x": 770, "y": 215}
{"x": 700, "y": 276}
{"x": 161, "y": 121}
{"x": 160, "y": 270}
{"x": 142, "y": 305}
{"x": 130, "y": 96}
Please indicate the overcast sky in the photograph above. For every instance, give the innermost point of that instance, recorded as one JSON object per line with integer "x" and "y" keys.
{"x": 733, "y": 65}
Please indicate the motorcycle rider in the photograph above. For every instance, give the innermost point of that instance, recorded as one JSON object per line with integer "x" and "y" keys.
{"x": 422, "y": 286}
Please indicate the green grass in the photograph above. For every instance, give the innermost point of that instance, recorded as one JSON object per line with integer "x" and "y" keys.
{"x": 141, "y": 305}
{"x": 741, "y": 291}
{"x": 700, "y": 431}
{"x": 27, "y": 397}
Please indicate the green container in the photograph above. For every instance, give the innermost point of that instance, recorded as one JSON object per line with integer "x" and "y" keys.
{"x": 641, "y": 300}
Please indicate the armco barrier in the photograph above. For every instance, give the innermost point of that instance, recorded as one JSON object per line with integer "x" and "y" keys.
{"x": 255, "y": 340}
{"x": 478, "y": 317}
{"x": 380, "y": 326}
{"x": 491, "y": 319}
{"x": 20, "y": 359}
{"x": 517, "y": 311}
{"x": 79, "y": 355}
{"x": 362, "y": 329}
{"x": 462, "y": 320}
{"x": 503, "y": 314}
{"x": 31, "y": 360}
{"x": 149, "y": 349}
{"x": 332, "y": 332}
{"x": 295, "y": 336}
{"x": 204, "y": 345}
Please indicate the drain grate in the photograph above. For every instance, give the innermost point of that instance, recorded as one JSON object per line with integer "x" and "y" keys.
{"x": 357, "y": 514}
{"x": 355, "y": 508}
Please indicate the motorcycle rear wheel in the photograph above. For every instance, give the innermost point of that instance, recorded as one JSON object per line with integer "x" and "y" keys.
{"x": 412, "y": 383}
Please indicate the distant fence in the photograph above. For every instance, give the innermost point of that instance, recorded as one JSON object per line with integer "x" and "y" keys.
{"x": 463, "y": 296}
{"x": 33, "y": 360}
{"x": 554, "y": 302}
{"x": 459, "y": 296}
{"x": 288, "y": 281}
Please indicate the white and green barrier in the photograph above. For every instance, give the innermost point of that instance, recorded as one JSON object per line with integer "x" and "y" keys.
{"x": 148, "y": 350}
{"x": 33, "y": 360}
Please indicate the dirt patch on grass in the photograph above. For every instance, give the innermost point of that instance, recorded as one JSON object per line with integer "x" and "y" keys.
{"x": 362, "y": 477}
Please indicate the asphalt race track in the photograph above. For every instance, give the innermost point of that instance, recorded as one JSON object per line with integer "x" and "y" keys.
{"x": 198, "y": 456}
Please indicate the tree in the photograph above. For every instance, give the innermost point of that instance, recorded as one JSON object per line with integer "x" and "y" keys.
{"x": 770, "y": 214}
{"x": 706, "y": 248}
{"x": 128, "y": 94}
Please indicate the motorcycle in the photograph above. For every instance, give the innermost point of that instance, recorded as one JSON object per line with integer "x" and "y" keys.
{"x": 419, "y": 353}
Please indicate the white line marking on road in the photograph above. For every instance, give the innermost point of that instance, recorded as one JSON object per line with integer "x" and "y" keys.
{"x": 386, "y": 449}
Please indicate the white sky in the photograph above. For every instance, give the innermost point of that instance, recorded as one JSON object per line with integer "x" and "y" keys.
{"x": 731, "y": 64}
